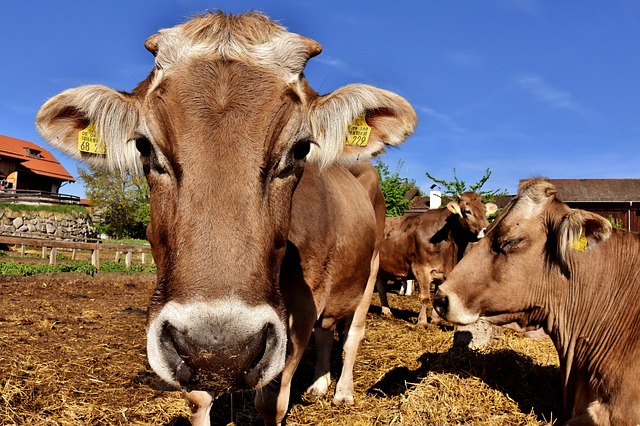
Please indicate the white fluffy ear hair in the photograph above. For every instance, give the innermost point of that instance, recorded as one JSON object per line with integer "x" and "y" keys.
{"x": 391, "y": 119}
{"x": 113, "y": 114}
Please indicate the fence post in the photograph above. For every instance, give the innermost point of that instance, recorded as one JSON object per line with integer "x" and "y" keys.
{"x": 95, "y": 258}
{"x": 23, "y": 250}
{"x": 117, "y": 256}
{"x": 44, "y": 252}
{"x": 52, "y": 256}
{"x": 127, "y": 259}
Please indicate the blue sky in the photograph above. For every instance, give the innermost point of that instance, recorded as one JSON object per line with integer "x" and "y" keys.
{"x": 522, "y": 87}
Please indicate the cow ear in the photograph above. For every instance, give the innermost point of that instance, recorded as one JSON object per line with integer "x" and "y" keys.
{"x": 454, "y": 207}
{"x": 580, "y": 231}
{"x": 357, "y": 122}
{"x": 491, "y": 208}
{"x": 93, "y": 124}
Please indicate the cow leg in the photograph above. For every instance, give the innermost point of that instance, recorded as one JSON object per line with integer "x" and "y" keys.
{"x": 322, "y": 376}
{"x": 354, "y": 332}
{"x": 424, "y": 285}
{"x": 381, "y": 286}
{"x": 272, "y": 401}
{"x": 200, "y": 405}
{"x": 437, "y": 278}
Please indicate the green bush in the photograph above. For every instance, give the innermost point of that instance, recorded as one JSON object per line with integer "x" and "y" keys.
{"x": 85, "y": 266}
{"x": 11, "y": 267}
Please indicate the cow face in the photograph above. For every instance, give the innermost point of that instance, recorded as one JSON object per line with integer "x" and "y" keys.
{"x": 221, "y": 128}
{"x": 472, "y": 213}
{"x": 523, "y": 260}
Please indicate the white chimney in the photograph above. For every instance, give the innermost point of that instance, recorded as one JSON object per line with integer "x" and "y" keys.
{"x": 435, "y": 199}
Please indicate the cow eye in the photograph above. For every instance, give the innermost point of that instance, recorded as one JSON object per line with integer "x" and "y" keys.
{"x": 143, "y": 146}
{"x": 301, "y": 149}
{"x": 147, "y": 156}
{"x": 294, "y": 157}
{"x": 510, "y": 245}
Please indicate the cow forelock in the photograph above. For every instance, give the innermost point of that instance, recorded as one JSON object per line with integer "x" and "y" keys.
{"x": 533, "y": 195}
{"x": 252, "y": 37}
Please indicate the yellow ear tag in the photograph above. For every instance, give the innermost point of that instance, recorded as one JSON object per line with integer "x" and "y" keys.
{"x": 358, "y": 132}
{"x": 580, "y": 244}
{"x": 88, "y": 141}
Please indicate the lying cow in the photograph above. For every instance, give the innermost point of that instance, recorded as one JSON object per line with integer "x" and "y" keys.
{"x": 426, "y": 246}
{"x": 543, "y": 264}
{"x": 259, "y": 231}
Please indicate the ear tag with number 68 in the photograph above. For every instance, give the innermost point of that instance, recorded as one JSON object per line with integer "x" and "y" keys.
{"x": 88, "y": 141}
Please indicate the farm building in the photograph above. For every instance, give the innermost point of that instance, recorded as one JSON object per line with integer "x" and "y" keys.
{"x": 617, "y": 199}
{"x": 27, "y": 168}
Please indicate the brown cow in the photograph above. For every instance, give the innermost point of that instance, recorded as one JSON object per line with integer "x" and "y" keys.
{"x": 259, "y": 231}
{"x": 543, "y": 264}
{"x": 426, "y": 246}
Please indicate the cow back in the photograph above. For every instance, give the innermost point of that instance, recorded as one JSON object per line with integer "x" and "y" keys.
{"x": 332, "y": 238}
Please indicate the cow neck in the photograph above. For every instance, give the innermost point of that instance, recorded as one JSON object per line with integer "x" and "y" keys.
{"x": 583, "y": 318}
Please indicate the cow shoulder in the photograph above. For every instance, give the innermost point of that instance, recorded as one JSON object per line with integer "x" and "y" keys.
{"x": 434, "y": 227}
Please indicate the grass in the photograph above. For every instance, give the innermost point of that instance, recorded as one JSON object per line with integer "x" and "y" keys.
{"x": 55, "y": 209}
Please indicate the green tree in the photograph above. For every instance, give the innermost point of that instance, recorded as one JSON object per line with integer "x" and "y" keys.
{"x": 120, "y": 200}
{"x": 457, "y": 186}
{"x": 394, "y": 187}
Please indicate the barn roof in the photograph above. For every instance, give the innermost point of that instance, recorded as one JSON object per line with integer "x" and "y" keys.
{"x": 598, "y": 190}
{"x": 33, "y": 158}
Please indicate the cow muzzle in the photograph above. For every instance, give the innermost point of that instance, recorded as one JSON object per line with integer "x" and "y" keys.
{"x": 217, "y": 347}
{"x": 450, "y": 307}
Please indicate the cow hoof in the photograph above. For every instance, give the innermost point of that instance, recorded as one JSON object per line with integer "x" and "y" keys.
{"x": 344, "y": 400}
{"x": 435, "y": 320}
{"x": 320, "y": 387}
{"x": 386, "y": 312}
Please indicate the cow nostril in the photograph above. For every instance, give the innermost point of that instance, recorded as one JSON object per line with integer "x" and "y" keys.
{"x": 183, "y": 373}
{"x": 252, "y": 374}
{"x": 440, "y": 304}
{"x": 261, "y": 348}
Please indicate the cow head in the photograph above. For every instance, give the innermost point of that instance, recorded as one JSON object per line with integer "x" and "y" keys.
{"x": 472, "y": 213}
{"x": 222, "y": 128}
{"x": 522, "y": 261}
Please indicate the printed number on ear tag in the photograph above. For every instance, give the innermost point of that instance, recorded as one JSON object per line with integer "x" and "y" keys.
{"x": 580, "y": 244}
{"x": 358, "y": 132}
{"x": 88, "y": 141}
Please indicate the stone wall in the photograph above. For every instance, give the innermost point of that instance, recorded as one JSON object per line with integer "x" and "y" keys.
{"x": 74, "y": 225}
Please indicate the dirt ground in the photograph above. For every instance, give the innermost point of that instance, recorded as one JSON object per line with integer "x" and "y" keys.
{"x": 72, "y": 352}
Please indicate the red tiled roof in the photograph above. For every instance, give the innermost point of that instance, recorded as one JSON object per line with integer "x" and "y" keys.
{"x": 45, "y": 165}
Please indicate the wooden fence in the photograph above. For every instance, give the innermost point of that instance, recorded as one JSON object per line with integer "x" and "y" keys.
{"x": 27, "y": 196}
{"x": 94, "y": 247}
